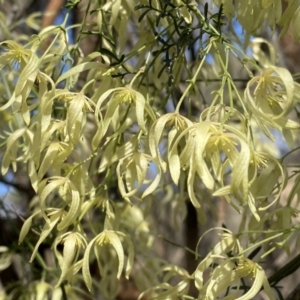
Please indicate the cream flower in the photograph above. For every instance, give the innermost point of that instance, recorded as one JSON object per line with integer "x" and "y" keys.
{"x": 73, "y": 242}
{"x": 113, "y": 238}
{"x": 227, "y": 274}
{"x": 121, "y": 98}
{"x": 28, "y": 63}
{"x": 272, "y": 100}
{"x": 174, "y": 124}
{"x": 132, "y": 174}
{"x": 206, "y": 142}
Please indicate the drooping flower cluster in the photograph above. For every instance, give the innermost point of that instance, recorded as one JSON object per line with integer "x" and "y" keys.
{"x": 88, "y": 149}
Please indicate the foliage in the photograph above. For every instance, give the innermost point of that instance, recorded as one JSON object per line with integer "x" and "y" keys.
{"x": 158, "y": 114}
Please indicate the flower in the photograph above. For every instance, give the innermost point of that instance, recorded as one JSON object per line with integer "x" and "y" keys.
{"x": 228, "y": 244}
{"x": 123, "y": 96}
{"x": 73, "y": 242}
{"x": 227, "y": 273}
{"x": 107, "y": 237}
{"x": 132, "y": 169}
{"x": 206, "y": 143}
{"x": 28, "y": 63}
{"x": 166, "y": 290}
{"x": 14, "y": 54}
{"x": 175, "y": 124}
{"x": 273, "y": 99}
{"x": 20, "y": 139}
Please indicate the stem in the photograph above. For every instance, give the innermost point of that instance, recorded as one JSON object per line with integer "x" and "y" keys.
{"x": 136, "y": 75}
{"x": 193, "y": 80}
{"x": 264, "y": 241}
{"x": 287, "y": 154}
{"x": 178, "y": 245}
{"x": 83, "y": 23}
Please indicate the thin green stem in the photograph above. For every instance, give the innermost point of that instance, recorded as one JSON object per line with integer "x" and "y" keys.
{"x": 289, "y": 153}
{"x": 193, "y": 80}
{"x": 83, "y": 23}
{"x": 178, "y": 245}
{"x": 264, "y": 241}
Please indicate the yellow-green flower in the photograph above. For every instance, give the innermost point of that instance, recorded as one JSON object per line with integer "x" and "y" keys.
{"x": 132, "y": 174}
{"x": 14, "y": 54}
{"x": 206, "y": 143}
{"x": 28, "y": 62}
{"x": 174, "y": 124}
{"x": 113, "y": 238}
{"x": 40, "y": 289}
{"x": 21, "y": 139}
{"x": 167, "y": 291}
{"x": 272, "y": 100}
{"x": 223, "y": 114}
{"x": 123, "y": 99}
{"x": 73, "y": 242}
{"x": 68, "y": 193}
{"x": 228, "y": 244}
{"x": 227, "y": 273}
